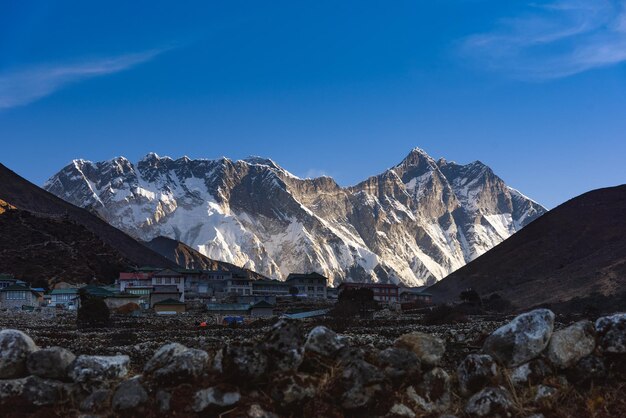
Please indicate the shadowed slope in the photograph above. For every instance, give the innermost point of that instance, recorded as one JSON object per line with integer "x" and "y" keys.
{"x": 576, "y": 249}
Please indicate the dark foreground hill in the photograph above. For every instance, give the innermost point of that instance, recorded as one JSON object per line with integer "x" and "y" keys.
{"x": 187, "y": 257}
{"x": 576, "y": 251}
{"x": 43, "y": 236}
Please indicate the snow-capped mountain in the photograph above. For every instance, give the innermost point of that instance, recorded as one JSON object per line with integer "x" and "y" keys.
{"x": 414, "y": 223}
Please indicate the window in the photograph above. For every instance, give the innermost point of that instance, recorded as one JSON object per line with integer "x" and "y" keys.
{"x": 177, "y": 280}
{"x": 16, "y": 295}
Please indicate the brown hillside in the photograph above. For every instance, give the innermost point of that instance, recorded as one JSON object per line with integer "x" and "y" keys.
{"x": 26, "y": 196}
{"x": 573, "y": 251}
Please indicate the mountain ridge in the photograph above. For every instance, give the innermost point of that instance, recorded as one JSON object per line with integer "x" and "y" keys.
{"x": 410, "y": 224}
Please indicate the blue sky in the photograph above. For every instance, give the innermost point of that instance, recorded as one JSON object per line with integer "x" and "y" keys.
{"x": 536, "y": 90}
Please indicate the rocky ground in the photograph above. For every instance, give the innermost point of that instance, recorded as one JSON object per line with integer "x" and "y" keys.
{"x": 391, "y": 366}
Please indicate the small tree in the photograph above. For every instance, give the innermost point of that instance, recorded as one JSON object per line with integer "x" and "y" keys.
{"x": 93, "y": 312}
{"x": 470, "y": 296}
{"x": 354, "y": 302}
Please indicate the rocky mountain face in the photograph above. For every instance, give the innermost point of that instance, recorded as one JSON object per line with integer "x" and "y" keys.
{"x": 415, "y": 223}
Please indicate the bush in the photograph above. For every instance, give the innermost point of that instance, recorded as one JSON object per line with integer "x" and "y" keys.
{"x": 353, "y": 302}
{"x": 93, "y": 312}
{"x": 444, "y": 314}
{"x": 496, "y": 303}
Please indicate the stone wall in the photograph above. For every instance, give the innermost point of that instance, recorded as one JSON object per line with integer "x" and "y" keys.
{"x": 525, "y": 368}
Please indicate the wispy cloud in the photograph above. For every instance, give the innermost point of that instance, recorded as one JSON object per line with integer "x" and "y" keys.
{"x": 313, "y": 173}
{"x": 553, "y": 40}
{"x": 24, "y": 86}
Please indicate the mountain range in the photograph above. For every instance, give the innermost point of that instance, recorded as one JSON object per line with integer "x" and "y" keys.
{"x": 414, "y": 223}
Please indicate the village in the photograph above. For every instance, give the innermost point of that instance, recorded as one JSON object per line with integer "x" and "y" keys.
{"x": 221, "y": 293}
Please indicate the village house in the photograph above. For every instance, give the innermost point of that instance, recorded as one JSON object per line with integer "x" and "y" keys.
{"x": 135, "y": 279}
{"x": 7, "y": 280}
{"x": 160, "y": 293}
{"x": 262, "y": 309}
{"x": 19, "y": 296}
{"x": 169, "y": 277}
{"x": 239, "y": 285}
{"x": 228, "y": 308}
{"x": 67, "y": 298}
{"x": 416, "y": 295}
{"x": 270, "y": 287}
{"x": 169, "y": 307}
{"x": 385, "y": 293}
{"x": 312, "y": 285}
{"x": 207, "y": 284}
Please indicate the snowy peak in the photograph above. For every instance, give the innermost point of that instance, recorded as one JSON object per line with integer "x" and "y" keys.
{"x": 414, "y": 223}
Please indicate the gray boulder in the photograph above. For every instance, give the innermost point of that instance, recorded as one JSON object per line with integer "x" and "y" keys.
{"x": 51, "y": 363}
{"x": 218, "y": 396}
{"x": 129, "y": 395}
{"x": 533, "y": 372}
{"x": 570, "y": 344}
{"x": 490, "y": 402}
{"x": 361, "y": 383}
{"x": 34, "y": 390}
{"x": 15, "y": 347}
{"x": 323, "y": 341}
{"x": 475, "y": 372}
{"x": 589, "y": 369}
{"x": 432, "y": 394}
{"x": 244, "y": 363}
{"x": 399, "y": 364}
{"x": 174, "y": 363}
{"x": 522, "y": 339}
{"x": 284, "y": 345}
{"x": 612, "y": 333}
{"x": 293, "y": 389}
{"x": 97, "y": 371}
{"x": 428, "y": 348}
{"x": 97, "y": 400}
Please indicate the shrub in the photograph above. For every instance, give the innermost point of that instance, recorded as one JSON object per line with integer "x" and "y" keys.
{"x": 353, "y": 302}
{"x": 93, "y": 312}
{"x": 444, "y": 314}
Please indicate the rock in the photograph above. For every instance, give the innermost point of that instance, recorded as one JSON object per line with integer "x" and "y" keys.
{"x": 33, "y": 390}
{"x": 129, "y": 395}
{"x": 244, "y": 363}
{"x": 255, "y": 411}
{"x": 174, "y": 363}
{"x": 522, "y": 339}
{"x": 293, "y": 389}
{"x": 51, "y": 363}
{"x": 284, "y": 345}
{"x": 428, "y": 348}
{"x": 221, "y": 396}
{"x": 490, "y": 402}
{"x": 361, "y": 384}
{"x": 612, "y": 333}
{"x": 10, "y": 388}
{"x": 98, "y": 400}
{"x": 475, "y": 372}
{"x": 399, "y": 364}
{"x": 323, "y": 341}
{"x": 43, "y": 392}
{"x": 531, "y": 373}
{"x": 163, "y": 399}
{"x": 15, "y": 347}
{"x": 432, "y": 394}
{"x": 96, "y": 371}
{"x": 401, "y": 410}
{"x": 570, "y": 344}
{"x": 545, "y": 393}
{"x": 589, "y": 369}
